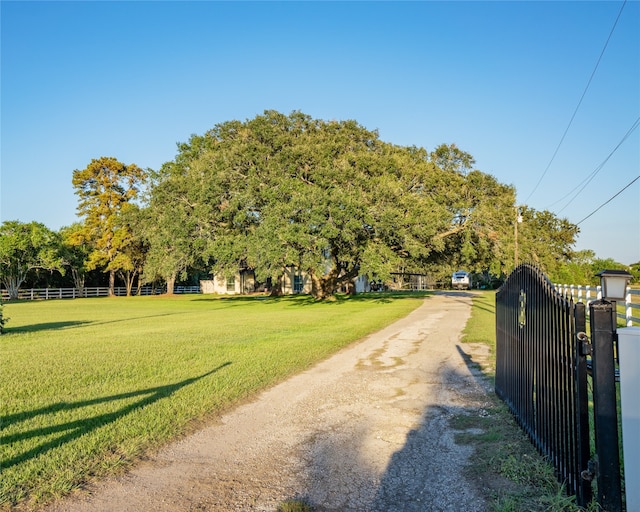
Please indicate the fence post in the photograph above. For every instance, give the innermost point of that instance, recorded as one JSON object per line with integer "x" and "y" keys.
{"x": 604, "y": 405}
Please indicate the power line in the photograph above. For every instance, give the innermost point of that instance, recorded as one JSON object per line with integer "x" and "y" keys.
{"x": 610, "y": 199}
{"x": 579, "y": 103}
{"x": 583, "y": 184}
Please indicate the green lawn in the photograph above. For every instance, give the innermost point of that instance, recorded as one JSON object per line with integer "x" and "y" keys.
{"x": 481, "y": 326}
{"x": 89, "y": 385}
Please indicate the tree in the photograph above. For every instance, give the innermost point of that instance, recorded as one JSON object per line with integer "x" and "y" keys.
{"x": 130, "y": 260}
{"x": 546, "y": 240}
{"x": 76, "y": 250}
{"x": 168, "y": 227}
{"x": 106, "y": 188}
{"x": 327, "y": 197}
{"x": 576, "y": 271}
{"x": 452, "y": 159}
{"x": 25, "y": 247}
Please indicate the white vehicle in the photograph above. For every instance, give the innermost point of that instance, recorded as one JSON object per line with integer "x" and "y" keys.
{"x": 461, "y": 280}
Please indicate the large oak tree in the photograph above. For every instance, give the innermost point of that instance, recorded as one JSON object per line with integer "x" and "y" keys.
{"x": 328, "y": 197}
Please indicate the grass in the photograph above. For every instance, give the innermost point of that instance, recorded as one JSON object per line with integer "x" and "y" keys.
{"x": 481, "y": 328}
{"x": 295, "y": 506}
{"x": 505, "y": 464}
{"x": 90, "y": 385}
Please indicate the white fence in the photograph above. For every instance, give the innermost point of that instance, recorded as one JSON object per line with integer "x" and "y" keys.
{"x": 587, "y": 294}
{"x": 101, "y": 291}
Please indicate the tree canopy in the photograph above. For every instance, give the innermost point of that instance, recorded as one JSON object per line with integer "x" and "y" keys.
{"x": 76, "y": 250}
{"x": 330, "y": 198}
{"x": 545, "y": 239}
{"x": 106, "y": 188}
{"x": 168, "y": 227}
{"x": 25, "y": 247}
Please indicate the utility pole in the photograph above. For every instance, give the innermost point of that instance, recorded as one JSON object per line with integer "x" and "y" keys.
{"x": 518, "y": 221}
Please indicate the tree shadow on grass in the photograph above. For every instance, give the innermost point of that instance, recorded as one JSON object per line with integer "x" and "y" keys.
{"x": 72, "y": 324}
{"x": 233, "y": 300}
{"x": 47, "y": 326}
{"x": 369, "y": 297}
{"x": 309, "y": 300}
{"x": 74, "y": 429}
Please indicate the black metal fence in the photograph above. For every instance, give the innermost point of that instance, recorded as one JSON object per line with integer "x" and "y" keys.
{"x": 543, "y": 361}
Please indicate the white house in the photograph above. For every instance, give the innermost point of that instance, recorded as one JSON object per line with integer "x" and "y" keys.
{"x": 243, "y": 281}
{"x": 294, "y": 281}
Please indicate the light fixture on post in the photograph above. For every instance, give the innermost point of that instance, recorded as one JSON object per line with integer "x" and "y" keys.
{"x": 614, "y": 284}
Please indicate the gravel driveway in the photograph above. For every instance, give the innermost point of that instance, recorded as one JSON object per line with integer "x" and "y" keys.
{"x": 366, "y": 430}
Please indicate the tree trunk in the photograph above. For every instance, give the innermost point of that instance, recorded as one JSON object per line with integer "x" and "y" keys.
{"x": 12, "y": 284}
{"x": 13, "y": 288}
{"x": 78, "y": 281}
{"x": 171, "y": 284}
{"x": 276, "y": 290}
{"x": 323, "y": 287}
{"x": 129, "y": 276}
{"x": 315, "y": 286}
{"x": 112, "y": 283}
{"x": 318, "y": 287}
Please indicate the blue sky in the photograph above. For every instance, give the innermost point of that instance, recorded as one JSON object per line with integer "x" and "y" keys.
{"x": 501, "y": 80}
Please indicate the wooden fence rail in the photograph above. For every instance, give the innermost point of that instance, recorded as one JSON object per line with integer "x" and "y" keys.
{"x": 94, "y": 291}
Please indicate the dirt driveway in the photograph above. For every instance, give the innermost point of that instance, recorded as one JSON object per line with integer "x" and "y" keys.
{"x": 366, "y": 430}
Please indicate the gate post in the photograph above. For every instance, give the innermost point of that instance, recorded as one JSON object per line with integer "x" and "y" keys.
{"x": 604, "y": 405}
{"x": 583, "y": 485}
